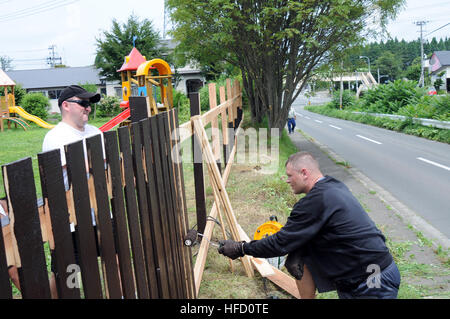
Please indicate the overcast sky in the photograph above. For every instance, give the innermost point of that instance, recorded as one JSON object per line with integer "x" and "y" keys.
{"x": 30, "y": 27}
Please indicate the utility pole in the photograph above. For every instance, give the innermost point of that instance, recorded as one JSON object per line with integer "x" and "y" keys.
{"x": 422, "y": 76}
{"x": 166, "y": 20}
{"x": 51, "y": 60}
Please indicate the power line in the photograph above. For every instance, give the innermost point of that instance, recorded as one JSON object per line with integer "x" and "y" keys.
{"x": 44, "y": 7}
{"x": 437, "y": 29}
{"x": 30, "y": 9}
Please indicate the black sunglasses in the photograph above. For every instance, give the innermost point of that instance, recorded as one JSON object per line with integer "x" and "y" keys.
{"x": 83, "y": 103}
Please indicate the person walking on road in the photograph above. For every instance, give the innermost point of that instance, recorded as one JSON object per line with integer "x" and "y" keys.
{"x": 291, "y": 120}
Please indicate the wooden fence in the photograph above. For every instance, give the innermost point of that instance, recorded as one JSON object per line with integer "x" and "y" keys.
{"x": 141, "y": 255}
{"x": 137, "y": 194}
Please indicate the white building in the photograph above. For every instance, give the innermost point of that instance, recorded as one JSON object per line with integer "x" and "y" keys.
{"x": 440, "y": 64}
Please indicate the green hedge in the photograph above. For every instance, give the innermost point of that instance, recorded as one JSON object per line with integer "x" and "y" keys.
{"x": 405, "y": 126}
{"x": 36, "y": 104}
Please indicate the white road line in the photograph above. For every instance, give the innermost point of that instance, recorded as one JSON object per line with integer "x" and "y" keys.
{"x": 368, "y": 139}
{"x": 433, "y": 163}
{"x": 308, "y": 118}
{"x": 299, "y": 114}
{"x": 318, "y": 121}
{"x": 337, "y": 128}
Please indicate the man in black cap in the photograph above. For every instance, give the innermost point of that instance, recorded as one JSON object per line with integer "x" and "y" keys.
{"x": 75, "y": 105}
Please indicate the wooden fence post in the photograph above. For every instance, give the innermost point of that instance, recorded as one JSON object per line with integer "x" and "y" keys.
{"x": 200, "y": 199}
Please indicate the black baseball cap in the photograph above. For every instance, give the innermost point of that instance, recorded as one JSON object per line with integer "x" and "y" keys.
{"x": 76, "y": 90}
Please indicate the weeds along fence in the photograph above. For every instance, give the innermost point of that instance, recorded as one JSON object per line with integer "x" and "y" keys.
{"x": 135, "y": 193}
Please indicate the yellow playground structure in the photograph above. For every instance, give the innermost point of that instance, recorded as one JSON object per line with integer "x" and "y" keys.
{"x": 147, "y": 77}
{"x": 8, "y": 106}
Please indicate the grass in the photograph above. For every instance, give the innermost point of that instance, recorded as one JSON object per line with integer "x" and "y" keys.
{"x": 16, "y": 144}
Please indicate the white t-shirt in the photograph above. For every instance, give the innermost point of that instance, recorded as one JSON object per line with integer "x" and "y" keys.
{"x": 291, "y": 113}
{"x": 63, "y": 134}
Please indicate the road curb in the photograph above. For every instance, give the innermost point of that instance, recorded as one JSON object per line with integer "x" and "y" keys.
{"x": 407, "y": 215}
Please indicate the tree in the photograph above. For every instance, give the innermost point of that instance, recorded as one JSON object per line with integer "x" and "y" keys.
{"x": 277, "y": 44}
{"x": 5, "y": 63}
{"x": 114, "y": 45}
{"x": 389, "y": 64}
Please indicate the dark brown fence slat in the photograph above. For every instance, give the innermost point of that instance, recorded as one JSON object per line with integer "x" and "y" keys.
{"x": 5, "y": 286}
{"x": 104, "y": 226}
{"x": 21, "y": 192}
{"x": 141, "y": 188}
{"x": 53, "y": 190}
{"x": 120, "y": 219}
{"x": 168, "y": 242}
{"x": 133, "y": 218}
{"x": 176, "y": 241}
{"x": 155, "y": 220}
{"x": 199, "y": 181}
{"x": 184, "y": 222}
{"x": 172, "y": 196}
{"x": 85, "y": 235}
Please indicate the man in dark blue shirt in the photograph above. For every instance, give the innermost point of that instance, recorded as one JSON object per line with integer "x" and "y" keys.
{"x": 329, "y": 235}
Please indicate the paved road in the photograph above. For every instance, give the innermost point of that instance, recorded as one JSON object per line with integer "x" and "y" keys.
{"x": 415, "y": 170}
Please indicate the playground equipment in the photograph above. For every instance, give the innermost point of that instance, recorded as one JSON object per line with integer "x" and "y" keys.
{"x": 8, "y": 106}
{"x": 30, "y": 117}
{"x": 145, "y": 75}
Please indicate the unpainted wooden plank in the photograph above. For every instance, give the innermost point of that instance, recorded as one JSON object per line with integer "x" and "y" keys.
{"x": 217, "y": 182}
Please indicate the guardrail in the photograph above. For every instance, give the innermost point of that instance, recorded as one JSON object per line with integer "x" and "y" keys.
{"x": 425, "y": 122}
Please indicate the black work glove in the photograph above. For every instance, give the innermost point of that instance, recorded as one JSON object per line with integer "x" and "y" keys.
{"x": 232, "y": 249}
{"x": 294, "y": 264}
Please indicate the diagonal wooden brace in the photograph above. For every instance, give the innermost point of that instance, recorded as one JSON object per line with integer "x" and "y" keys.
{"x": 219, "y": 187}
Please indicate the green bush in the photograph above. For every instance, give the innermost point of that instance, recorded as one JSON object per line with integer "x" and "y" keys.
{"x": 421, "y": 108}
{"x": 36, "y": 104}
{"x": 389, "y": 98}
{"x": 442, "y": 105}
{"x": 348, "y": 99}
{"x": 181, "y": 102}
{"x": 108, "y": 106}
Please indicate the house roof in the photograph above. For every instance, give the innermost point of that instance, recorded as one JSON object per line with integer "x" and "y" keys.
{"x": 439, "y": 59}
{"x": 56, "y": 77}
{"x": 5, "y": 80}
{"x": 135, "y": 59}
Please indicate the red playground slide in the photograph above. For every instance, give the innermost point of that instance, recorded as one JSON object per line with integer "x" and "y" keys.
{"x": 116, "y": 120}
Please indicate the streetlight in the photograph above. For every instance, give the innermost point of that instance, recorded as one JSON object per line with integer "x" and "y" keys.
{"x": 368, "y": 60}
